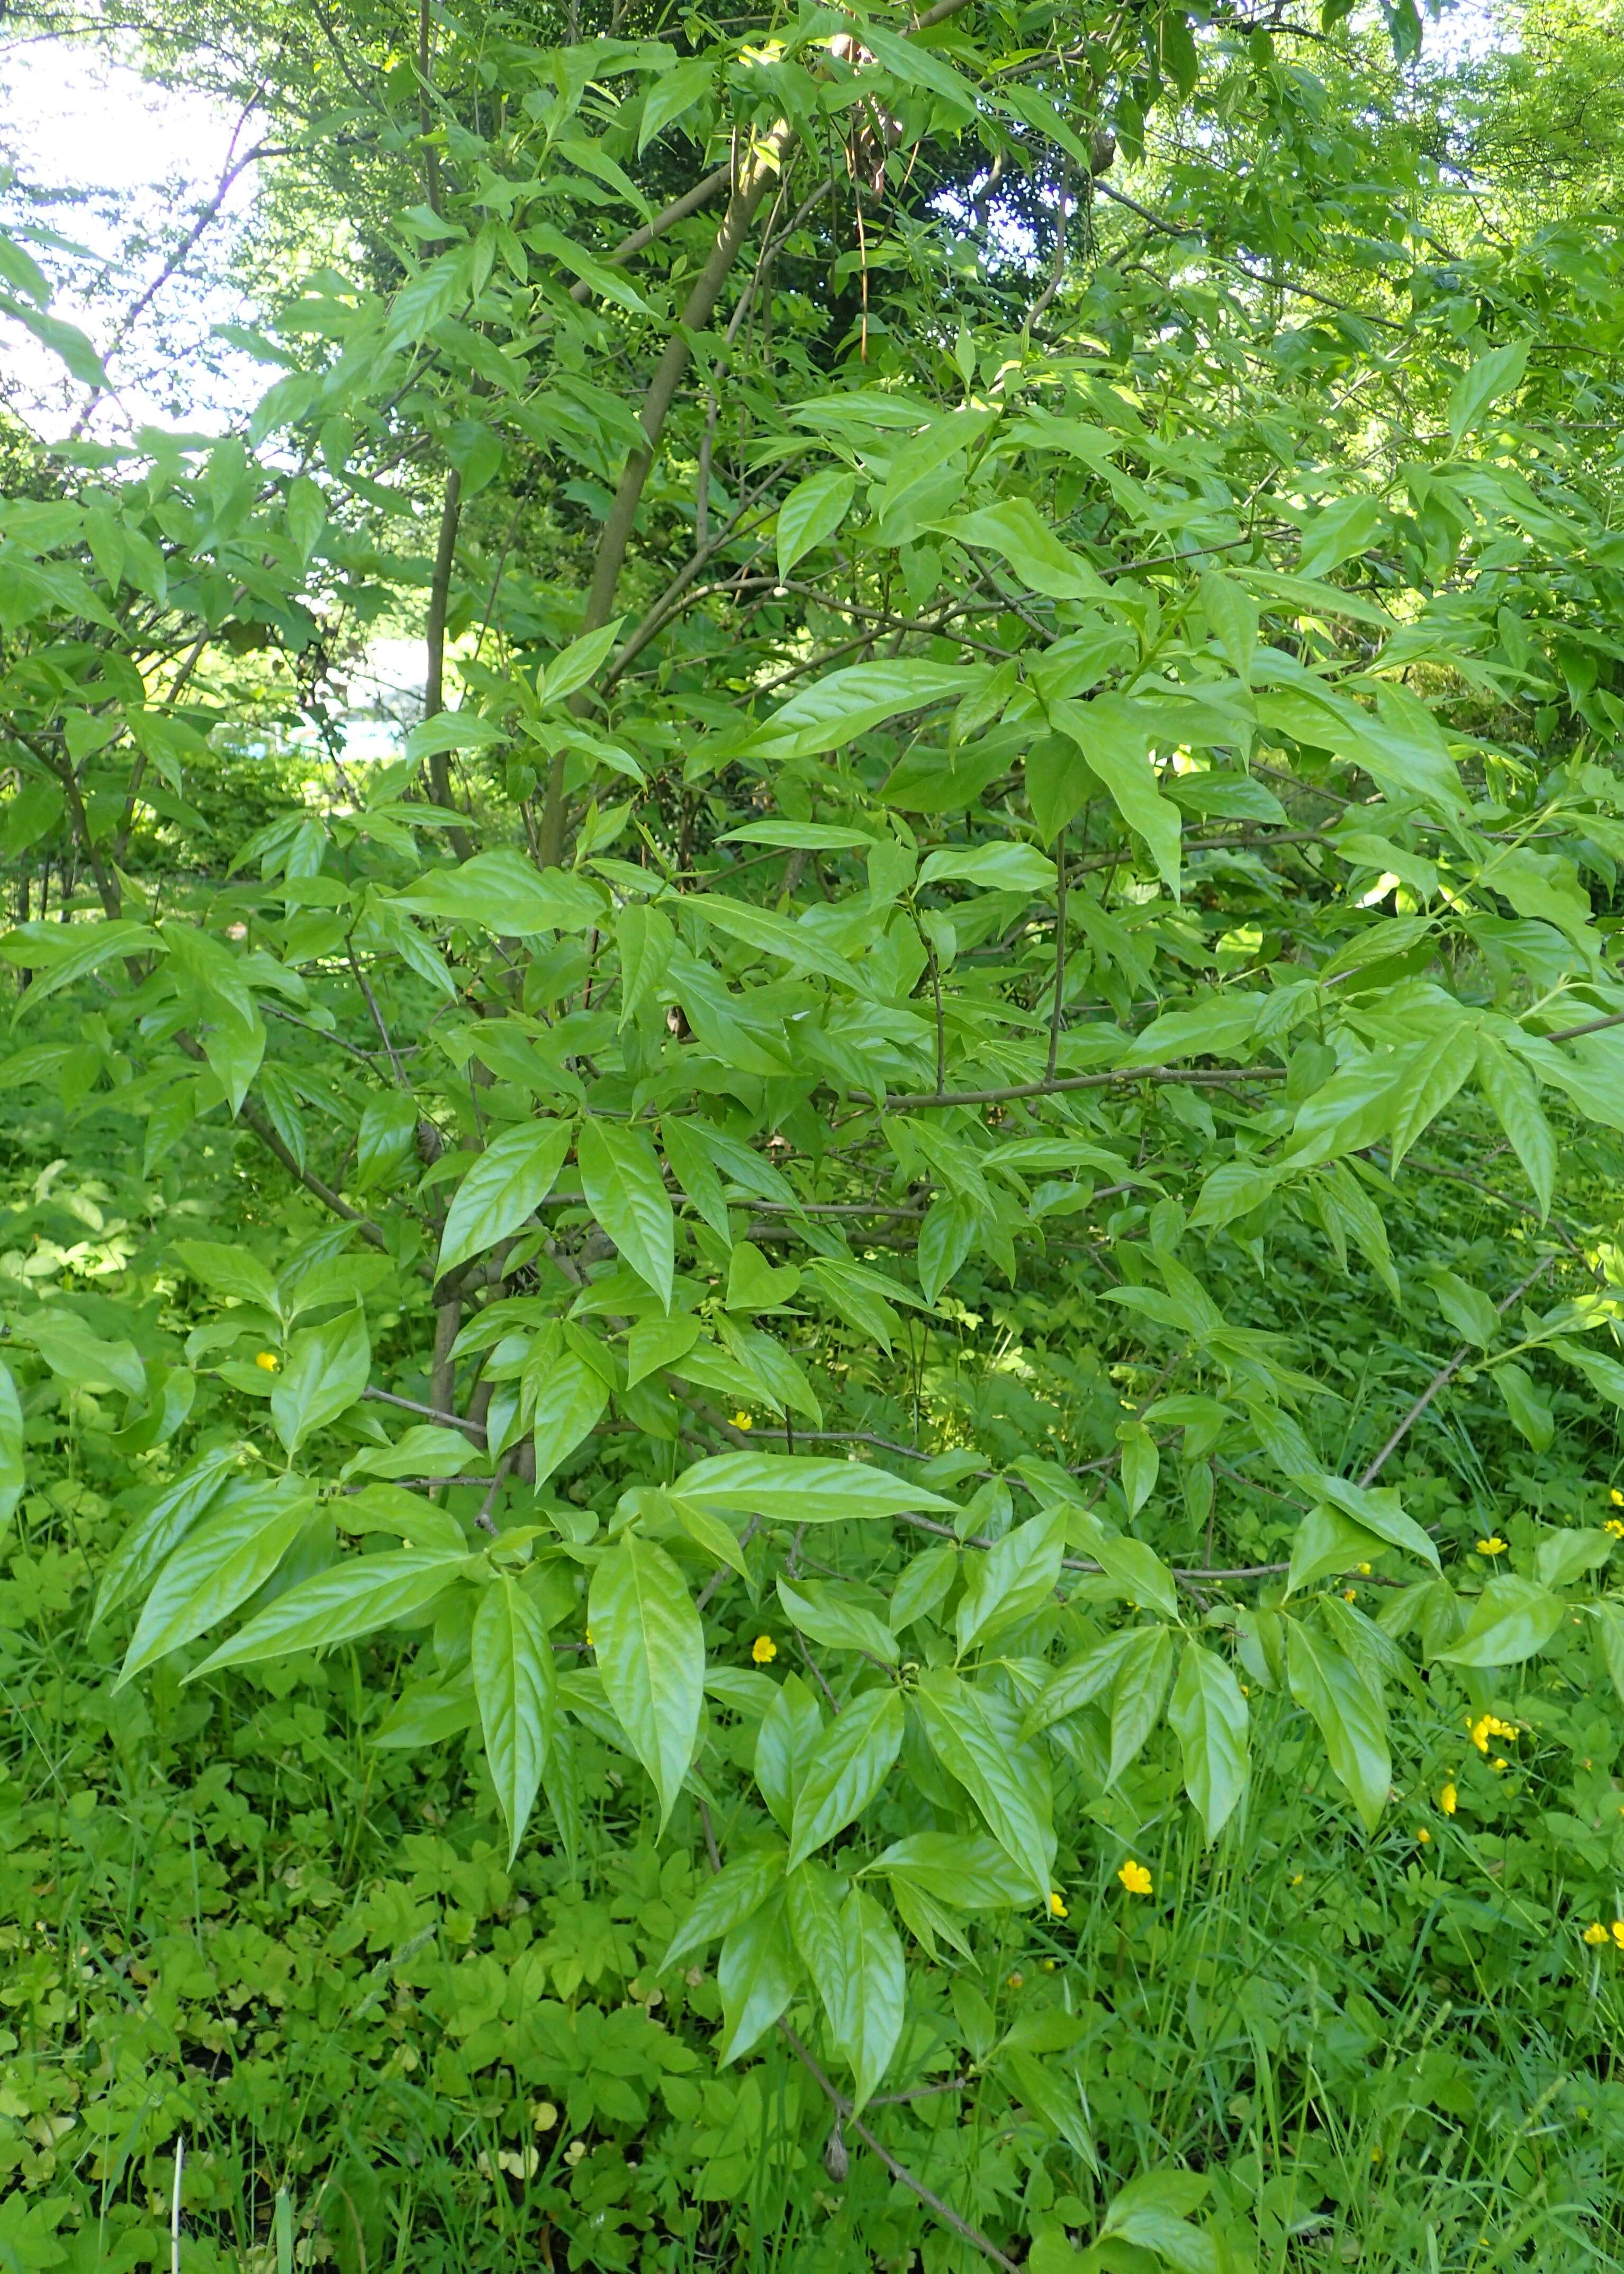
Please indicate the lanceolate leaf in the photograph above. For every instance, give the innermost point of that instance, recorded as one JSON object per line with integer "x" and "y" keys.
{"x": 1352, "y": 1720}
{"x": 356, "y": 1598}
{"x": 850, "y": 1765}
{"x": 868, "y": 2023}
{"x": 736, "y": 1891}
{"x": 218, "y": 1566}
{"x": 509, "y": 1181}
{"x": 512, "y": 1661}
{"x": 166, "y": 1523}
{"x": 1209, "y": 1716}
{"x": 650, "y": 1652}
{"x": 325, "y": 1373}
{"x": 792, "y": 1489}
{"x": 12, "y": 1474}
{"x": 1003, "y": 1780}
{"x": 757, "y": 1975}
{"x": 626, "y": 1194}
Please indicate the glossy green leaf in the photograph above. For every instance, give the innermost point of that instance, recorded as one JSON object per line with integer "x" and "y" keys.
{"x": 853, "y": 1761}
{"x": 512, "y": 1661}
{"x": 1491, "y": 376}
{"x": 834, "y": 1615}
{"x": 1115, "y": 740}
{"x": 651, "y": 1651}
{"x": 626, "y": 1192}
{"x": 219, "y": 1563}
{"x": 757, "y": 1974}
{"x": 867, "y": 2024}
{"x": 967, "y": 1871}
{"x": 569, "y": 1402}
{"x": 503, "y": 1189}
{"x": 1138, "y": 1695}
{"x": 1003, "y": 1777}
{"x": 324, "y": 1373}
{"x": 810, "y": 514}
{"x": 790, "y": 1489}
{"x": 731, "y": 1894}
{"x": 1352, "y": 1722}
{"x": 357, "y": 1597}
{"x": 1209, "y": 1717}
{"x": 1513, "y": 1619}
{"x": 13, "y": 1474}
{"x": 1014, "y": 1578}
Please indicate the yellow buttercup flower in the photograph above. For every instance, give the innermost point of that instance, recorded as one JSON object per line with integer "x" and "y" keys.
{"x": 269, "y": 1361}
{"x": 1618, "y": 1932}
{"x": 1349, "y": 1593}
{"x": 1057, "y": 1906}
{"x": 742, "y": 1422}
{"x": 1492, "y": 1546}
{"x": 1490, "y": 1726}
{"x": 763, "y": 1650}
{"x": 1424, "y": 1836}
{"x": 1135, "y": 1878}
{"x": 1613, "y": 1529}
{"x": 1364, "y": 1571}
{"x": 1449, "y": 1799}
{"x": 1616, "y": 1497}
{"x": 1296, "y": 1880}
{"x": 1595, "y": 1933}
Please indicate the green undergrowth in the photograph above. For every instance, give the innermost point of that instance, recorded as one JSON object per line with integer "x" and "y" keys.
{"x": 234, "y": 1921}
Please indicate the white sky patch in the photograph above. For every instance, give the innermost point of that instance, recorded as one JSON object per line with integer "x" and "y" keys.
{"x": 123, "y": 169}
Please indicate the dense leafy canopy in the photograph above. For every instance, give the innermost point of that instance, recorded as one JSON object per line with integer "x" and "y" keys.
{"x": 914, "y": 1216}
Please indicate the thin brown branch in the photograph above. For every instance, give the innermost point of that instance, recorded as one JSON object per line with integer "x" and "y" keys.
{"x": 1445, "y": 1374}
{"x": 851, "y": 2122}
{"x": 1199, "y": 1077}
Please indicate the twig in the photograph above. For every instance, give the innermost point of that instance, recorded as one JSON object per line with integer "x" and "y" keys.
{"x": 1201, "y": 1077}
{"x": 1445, "y": 1375}
{"x": 485, "y": 1521}
{"x": 851, "y": 2122}
{"x": 1060, "y": 953}
{"x": 429, "y": 1412}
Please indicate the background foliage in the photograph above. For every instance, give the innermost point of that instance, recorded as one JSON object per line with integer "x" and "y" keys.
{"x": 810, "y": 1447}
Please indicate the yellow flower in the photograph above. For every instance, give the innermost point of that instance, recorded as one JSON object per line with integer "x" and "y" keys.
{"x": 1296, "y": 1880}
{"x": 1014, "y": 1981}
{"x": 1595, "y": 1933}
{"x": 269, "y": 1361}
{"x": 1490, "y": 1726}
{"x": 763, "y": 1650}
{"x": 1135, "y": 1878}
{"x": 1618, "y": 1932}
{"x": 1364, "y": 1571}
{"x": 1057, "y": 1906}
{"x": 742, "y": 1422}
{"x": 1492, "y": 1546}
{"x": 1449, "y": 1799}
{"x": 590, "y": 1642}
{"x": 1349, "y": 1593}
{"x": 1499, "y": 1762}
{"x": 1423, "y": 1835}
{"x": 1616, "y": 1497}
{"x": 1613, "y": 1529}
